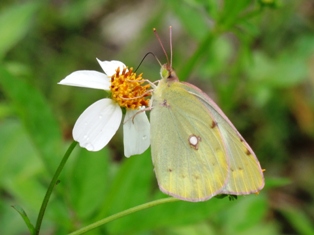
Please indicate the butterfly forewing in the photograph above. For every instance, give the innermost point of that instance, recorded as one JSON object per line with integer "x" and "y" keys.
{"x": 245, "y": 173}
{"x": 188, "y": 151}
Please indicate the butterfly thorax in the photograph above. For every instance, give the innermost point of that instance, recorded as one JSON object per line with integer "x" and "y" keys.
{"x": 168, "y": 74}
{"x": 168, "y": 79}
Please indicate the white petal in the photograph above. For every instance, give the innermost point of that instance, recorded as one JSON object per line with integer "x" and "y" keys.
{"x": 87, "y": 78}
{"x": 136, "y": 133}
{"x": 97, "y": 124}
{"x": 110, "y": 67}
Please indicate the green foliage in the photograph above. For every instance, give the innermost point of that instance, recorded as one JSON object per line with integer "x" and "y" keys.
{"x": 254, "y": 58}
{"x": 36, "y": 116}
{"x": 15, "y": 21}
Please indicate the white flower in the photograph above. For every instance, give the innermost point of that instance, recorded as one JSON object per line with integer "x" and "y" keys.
{"x": 100, "y": 121}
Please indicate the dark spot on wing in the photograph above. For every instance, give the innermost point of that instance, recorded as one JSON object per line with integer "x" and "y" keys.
{"x": 247, "y": 152}
{"x": 169, "y": 169}
{"x": 196, "y": 177}
{"x": 214, "y": 124}
{"x": 165, "y": 104}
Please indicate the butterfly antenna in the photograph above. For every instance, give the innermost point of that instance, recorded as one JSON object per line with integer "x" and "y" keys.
{"x": 170, "y": 33}
{"x": 157, "y": 59}
{"x": 158, "y": 38}
{"x": 151, "y": 53}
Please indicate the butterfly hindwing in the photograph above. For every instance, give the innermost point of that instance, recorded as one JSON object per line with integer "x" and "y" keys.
{"x": 245, "y": 173}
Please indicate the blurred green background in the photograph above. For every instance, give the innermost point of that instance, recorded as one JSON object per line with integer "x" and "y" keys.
{"x": 254, "y": 58}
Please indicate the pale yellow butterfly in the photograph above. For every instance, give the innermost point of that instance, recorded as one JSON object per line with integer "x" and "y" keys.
{"x": 197, "y": 153}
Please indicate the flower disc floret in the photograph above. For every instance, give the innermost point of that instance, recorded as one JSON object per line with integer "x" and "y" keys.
{"x": 128, "y": 89}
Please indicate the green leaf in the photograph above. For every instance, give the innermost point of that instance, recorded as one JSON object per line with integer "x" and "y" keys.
{"x": 15, "y": 22}
{"x": 131, "y": 185}
{"x": 231, "y": 11}
{"x": 277, "y": 182}
{"x": 191, "y": 18}
{"x": 88, "y": 179}
{"x": 19, "y": 166}
{"x": 243, "y": 214}
{"x": 36, "y": 115}
{"x": 298, "y": 220}
{"x": 25, "y": 218}
{"x": 282, "y": 72}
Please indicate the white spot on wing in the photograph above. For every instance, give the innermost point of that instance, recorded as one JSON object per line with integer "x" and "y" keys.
{"x": 194, "y": 141}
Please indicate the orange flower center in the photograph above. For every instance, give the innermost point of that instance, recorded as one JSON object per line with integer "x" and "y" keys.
{"x": 129, "y": 90}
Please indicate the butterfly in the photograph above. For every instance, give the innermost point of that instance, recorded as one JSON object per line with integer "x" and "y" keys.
{"x": 197, "y": 152}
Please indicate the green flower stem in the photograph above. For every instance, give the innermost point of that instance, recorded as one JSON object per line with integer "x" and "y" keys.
{"x": 51, "y": 187}
{"x": 123, "y": 213}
